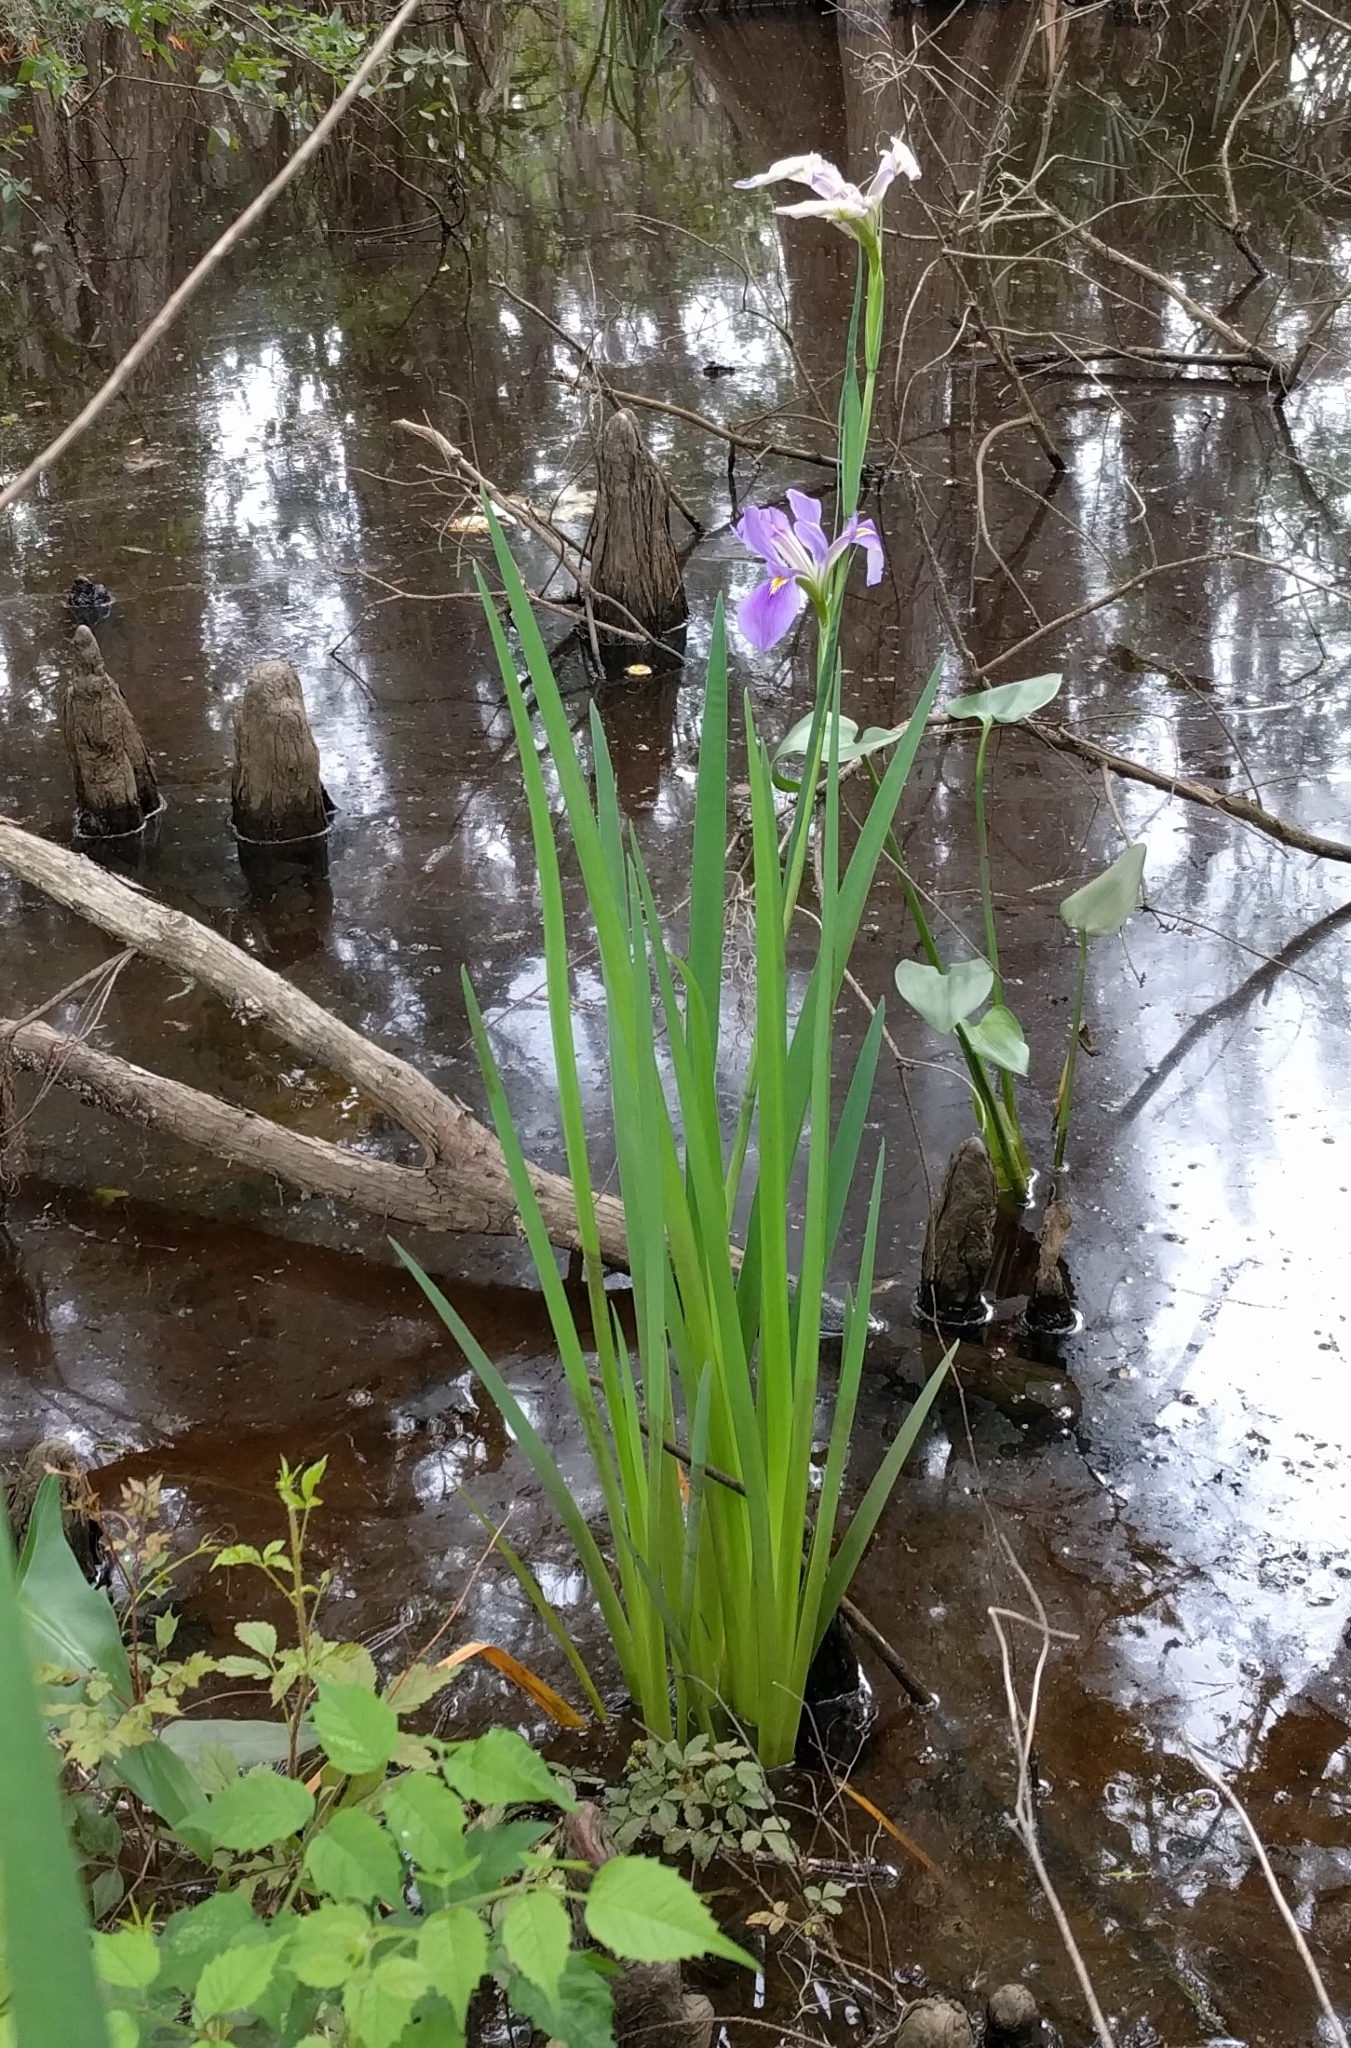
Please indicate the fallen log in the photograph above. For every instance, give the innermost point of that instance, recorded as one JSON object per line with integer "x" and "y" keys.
{"x": 462, "y": 1182}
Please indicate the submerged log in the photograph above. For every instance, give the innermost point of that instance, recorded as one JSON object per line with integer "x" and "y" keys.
{"x": 959, "y": 1239}
{"x": 462, "y": 1182}
{"x": 633, "y": 559}
{"x": 277, "y": 792}
{"x": 652, "y": 2007}
{"x": 115, "y": 786}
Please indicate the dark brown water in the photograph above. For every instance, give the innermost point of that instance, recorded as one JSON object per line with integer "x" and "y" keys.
{"x": 1179, "y": 1496}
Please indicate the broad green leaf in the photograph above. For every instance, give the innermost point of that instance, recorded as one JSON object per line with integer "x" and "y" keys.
{"x": 418, "y": 1684}
{"x": 124, "y": 2030}
{"x": 234, "y": 1980}
{"x": 46, "y": 1951}
{"x": 536, "y": 1934}
{"x": 358, "y": 1731}
{"x": 1007, "y": 702}
{"x": 578, "y": 2014}
{"x": 68, "y": 1622}
{"x": 945, "y": 998}
{"x": 501, "y": 1769}
{"x": 648, "y": 1913}
{"x": 1103, "y": 905}
{"x": 348, "y": 1664}
{"x": 853, "y": 745}
{"x": 259, "y": 1636}
{"x": 328, "y": 1945}
{"x": 191, "y": 1938}
{"x": 248, "y": 1742}
{"x": 257, "y": 1811}
{"x": 353, "y": 1858}
{"x": 128, "y": 1959}
{"x": 160, "y": 1778}
{"x": 427, "y": 1822}
{"x": 379, "y": 2003}
{"x": 453, "y": 1950}
{"x": 998, "y": 1037}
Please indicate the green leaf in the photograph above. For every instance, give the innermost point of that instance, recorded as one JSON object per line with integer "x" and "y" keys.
{"x": 998, "y": 1037}
{"x": 191, "y": 1938}
{"x": 536, "y": 1934}
{"x": 1008, "y": 702}
{"x": 259, "y": 1636}
{"x": 358, "y": 1731}
{"x": 1103, "y": 905}
{"x": 501, "y": 1769}
{"x": 52, "y": 1993}
{"x": 235, "y": 1980}
{"x": 68, "y": 1623}
{"x": 947, "y": 998}
{"x": 328, "y": 1945}
{"x": 379, "y": 2004}
{"x": 353, "y": 1858}
{"x": 579, "y": 2014}
{"x": 128, "y": 1959}
{"x": 648, "y": 1913}
{"x": 418, "y": 1684}
{"x": 248, "y": 1742}
{"x": 427, "y": 1822}
{"x": 257, "y": 1811}
{"x": 853, "y": 744}
{"x": 453, "y": 1950}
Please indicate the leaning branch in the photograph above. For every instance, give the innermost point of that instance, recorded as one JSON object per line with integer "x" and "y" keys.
{"x": 214, "y": 257}
{"x": 463, "y": 1182}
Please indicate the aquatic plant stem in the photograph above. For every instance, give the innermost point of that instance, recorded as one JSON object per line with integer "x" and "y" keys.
{"x": 987, "y": 906}
{"x": 1065, "y": 1093}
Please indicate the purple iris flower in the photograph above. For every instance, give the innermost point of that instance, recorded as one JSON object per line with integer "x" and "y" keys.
{"x": 799, "y": 559}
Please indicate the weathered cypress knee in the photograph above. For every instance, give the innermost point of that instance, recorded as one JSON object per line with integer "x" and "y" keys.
{"x": 1050, "y": 1305}
{"x": 959, "y": 1239}
{"x": 633, "y": 559}
{"x": 115, "y": 787}
{"x": 277, "y": 792}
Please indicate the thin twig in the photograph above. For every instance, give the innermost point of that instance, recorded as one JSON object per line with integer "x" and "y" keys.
{"x": 119, "y": 377}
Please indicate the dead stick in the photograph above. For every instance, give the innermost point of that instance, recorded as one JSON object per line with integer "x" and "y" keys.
{"x": 212, "y": 261}
{"x": 1240, "y": 807}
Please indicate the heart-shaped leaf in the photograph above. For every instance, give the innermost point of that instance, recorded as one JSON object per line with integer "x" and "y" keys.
{"x": 852, "y": 745}
{"x": 1007, "y": 702}
{"x": 1102, "y": 906}
{"x": 999, "y": 1038}
{"x": 945, "y": 999}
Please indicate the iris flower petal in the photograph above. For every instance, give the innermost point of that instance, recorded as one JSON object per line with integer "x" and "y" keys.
{"x": 868, "y": 538}
{"x": 765, "y": 616}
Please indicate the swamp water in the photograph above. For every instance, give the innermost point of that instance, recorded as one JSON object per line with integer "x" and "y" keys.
{"x": 1175, "y": 1482}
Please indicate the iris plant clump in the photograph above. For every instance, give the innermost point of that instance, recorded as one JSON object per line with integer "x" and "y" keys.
{"x": 716, "y": 1596}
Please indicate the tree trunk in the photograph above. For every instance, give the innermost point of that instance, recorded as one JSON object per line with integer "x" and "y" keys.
{"x": 115, "y": 787}
{"x": 633, "y": 559}
{"x": 277, "y": 793}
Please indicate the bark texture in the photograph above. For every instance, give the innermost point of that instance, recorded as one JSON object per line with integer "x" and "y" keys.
{"x": 959, "y": 1239}
{"x": 277, "y": 792}
{"x": 115, "y": 786}
{"x": 633, "y": 558}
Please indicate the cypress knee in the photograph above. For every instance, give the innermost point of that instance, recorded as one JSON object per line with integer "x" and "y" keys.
{"x": 277, "y": 792}
{"x": 115, "y": 786}
{"x": 959, "y": 1240}
{"x": 633, "y": 558}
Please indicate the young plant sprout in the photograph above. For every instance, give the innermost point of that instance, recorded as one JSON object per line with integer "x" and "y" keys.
{"x": 1096, "y": 911}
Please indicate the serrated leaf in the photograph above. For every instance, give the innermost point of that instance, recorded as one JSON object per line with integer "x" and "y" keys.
{"x": 415, "y": 1686}
{"x": 453, "y": 1950}
{"x": 379, "y": 2004}
{"x": 998, "y": 1037}
{"x": 945, "y": 998}
{"x": 353, "y": 1858}
{"x": 328, "y": 1945}
{"x": 536, "y": 1933}
{"x": 647, "y": 1913}
{"x": 1007, "y": 702}
{"x": 359, "y": 1732}
{"x": 256, "y": 1811}
{"x": 191, "y": 1938}
{"x": 1103, "y": 905}
{"x": 427, "y": 1822}
{"x": 259, "y": 1636}
{"x": 501, "y": 1769}
{"x": 233, "y": 1981}
{"x": 348, "y": 1664}
{"x": 579, "y": 2014}
{"x": 128, "y": 1959}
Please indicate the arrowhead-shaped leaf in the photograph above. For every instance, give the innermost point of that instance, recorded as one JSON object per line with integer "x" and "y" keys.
{"x": 1102, "y": 906}
{"x": 945, "y": 1000}
{"x": 1007, "y": 702}
{"x": 999, "y": 1038}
